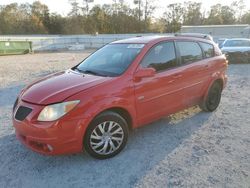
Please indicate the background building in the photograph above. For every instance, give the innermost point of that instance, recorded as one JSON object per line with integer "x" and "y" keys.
{"x": 220, "y": 31}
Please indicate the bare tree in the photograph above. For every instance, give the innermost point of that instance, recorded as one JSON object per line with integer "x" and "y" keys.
{"x": 145, "y": 8}
{"x": 148, "y": 10}
{"x": 75, "y": 10}
{"x": 192, "y": 13}
{"x": 173, "y": 17}
{"x": 139, "y": 3}
{"x": 86, "y": 6}
{"x": 238, "y": 7}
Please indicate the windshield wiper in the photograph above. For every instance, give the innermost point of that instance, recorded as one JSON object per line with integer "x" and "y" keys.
{"x": 90, "y": 72}
{"x": 79, "y": 70}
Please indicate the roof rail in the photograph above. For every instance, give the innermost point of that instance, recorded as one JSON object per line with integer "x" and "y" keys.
{"x": 195, "y": 35}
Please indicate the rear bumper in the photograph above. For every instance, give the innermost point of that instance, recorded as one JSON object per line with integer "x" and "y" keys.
{"x": 64, "y": 136}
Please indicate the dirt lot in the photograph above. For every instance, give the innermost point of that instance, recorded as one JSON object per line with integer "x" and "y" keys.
{"x": 190, "y": 149}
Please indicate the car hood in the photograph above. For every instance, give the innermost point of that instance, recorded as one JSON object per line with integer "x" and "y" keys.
{"x": 235, "y": 49}
{"x": 59, "y": 86}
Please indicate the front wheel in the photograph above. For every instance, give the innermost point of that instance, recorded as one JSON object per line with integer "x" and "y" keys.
{"x": 213, "y": 98}
{"x": 106, "y": 136}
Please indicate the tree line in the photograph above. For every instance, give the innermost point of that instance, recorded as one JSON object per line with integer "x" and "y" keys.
{"x": 118, "y": 17}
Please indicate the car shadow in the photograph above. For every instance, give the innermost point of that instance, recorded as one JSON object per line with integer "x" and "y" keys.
{"x": 147, "y": 147}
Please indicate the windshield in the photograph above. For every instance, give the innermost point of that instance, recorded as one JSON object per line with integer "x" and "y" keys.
{"x": 237, "y": 43}
{"x": 111, "y": 60}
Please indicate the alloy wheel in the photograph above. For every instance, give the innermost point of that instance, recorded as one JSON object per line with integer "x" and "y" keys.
{"x": 106, "y": 138}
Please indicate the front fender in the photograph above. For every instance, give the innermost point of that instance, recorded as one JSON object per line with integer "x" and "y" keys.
{"x": 86, "y": 112}
{"x": 108, "y": 103}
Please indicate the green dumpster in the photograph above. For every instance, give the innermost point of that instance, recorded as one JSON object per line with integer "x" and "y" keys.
{"x": 15, "y": 47}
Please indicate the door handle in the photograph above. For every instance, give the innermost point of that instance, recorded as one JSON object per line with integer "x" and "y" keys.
{"x": 177, "y": 76}
{"x": 171, "y": 81}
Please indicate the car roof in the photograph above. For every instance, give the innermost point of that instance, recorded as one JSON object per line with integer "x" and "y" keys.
{"x": 140, "y": 39}
{"x": 195, "y": 35}
{"x": 155, "y": 38}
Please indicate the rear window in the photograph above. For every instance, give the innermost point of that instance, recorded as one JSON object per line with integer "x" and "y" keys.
{"x": 208, "y": 49}
{"x": 189, "y": 51}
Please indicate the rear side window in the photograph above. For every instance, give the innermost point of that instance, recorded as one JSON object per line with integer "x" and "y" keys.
{"x": 208, "y": 49}
{"x": 160, "y": 57}
{"x": 189, "y": 51}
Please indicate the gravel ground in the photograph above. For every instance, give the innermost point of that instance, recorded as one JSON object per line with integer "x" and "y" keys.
{"x": 188, "y": 149}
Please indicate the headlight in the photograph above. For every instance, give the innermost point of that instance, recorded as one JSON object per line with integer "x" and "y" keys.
{"x": 55, "y": 111}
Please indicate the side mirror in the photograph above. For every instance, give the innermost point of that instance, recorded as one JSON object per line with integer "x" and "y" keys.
{"x": 145, "y": 72}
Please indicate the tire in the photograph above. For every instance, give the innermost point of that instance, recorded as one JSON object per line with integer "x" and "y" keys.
{"x": 213, "y": 98}
{"x": 106, "y": 136}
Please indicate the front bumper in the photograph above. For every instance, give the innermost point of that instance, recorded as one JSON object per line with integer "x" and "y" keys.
{"x": 63, "y": 136}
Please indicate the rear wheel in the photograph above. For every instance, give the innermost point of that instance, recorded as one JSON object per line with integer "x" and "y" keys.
{"x": 106, "y": 136}
{"x": 213, "y": 98}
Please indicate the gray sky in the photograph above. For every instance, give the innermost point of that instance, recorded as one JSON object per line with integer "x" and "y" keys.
{"x": 63, "y": 7}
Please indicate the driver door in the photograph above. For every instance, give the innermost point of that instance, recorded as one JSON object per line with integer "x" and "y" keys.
{"x": 162, "y": 93}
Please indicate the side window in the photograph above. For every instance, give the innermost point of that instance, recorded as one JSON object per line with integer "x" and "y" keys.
{"x": 189, "y": 52}
{"x": 208, "y": 49}
{"x": 160, "y": 57}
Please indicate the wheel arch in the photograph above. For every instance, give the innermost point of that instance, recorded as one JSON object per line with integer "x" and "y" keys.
{"x": 217, "y": 80}
{"x": 122, "y": 112}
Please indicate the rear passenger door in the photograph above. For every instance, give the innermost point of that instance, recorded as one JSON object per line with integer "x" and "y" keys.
{"x": 194, "y": 70}
{"x": 209, "y": 60}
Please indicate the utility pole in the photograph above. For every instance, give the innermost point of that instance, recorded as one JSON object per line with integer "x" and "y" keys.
{"x": 86, "y": 5}
{"x": 115, "y": 2}
{"x": 139, "y": 3}
{"x": 146, "y": 16}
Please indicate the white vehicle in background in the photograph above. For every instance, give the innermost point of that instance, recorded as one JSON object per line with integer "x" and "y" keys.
{"x": 237, "y": 50}
{"x": 220, "y": 42}
{"x": 235, "y": 44}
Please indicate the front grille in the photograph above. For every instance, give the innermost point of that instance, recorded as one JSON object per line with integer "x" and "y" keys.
{"x": 22, "y": 112}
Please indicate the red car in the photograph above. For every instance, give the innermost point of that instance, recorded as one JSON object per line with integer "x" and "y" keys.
{"x": 124, "y": 85}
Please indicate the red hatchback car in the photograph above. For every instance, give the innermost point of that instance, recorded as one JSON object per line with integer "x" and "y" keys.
{"x": 124, "y": 85}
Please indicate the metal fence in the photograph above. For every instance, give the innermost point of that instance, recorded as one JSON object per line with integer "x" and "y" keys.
{"x": 70, "y": 42}
{"x": 75, "y": 42}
